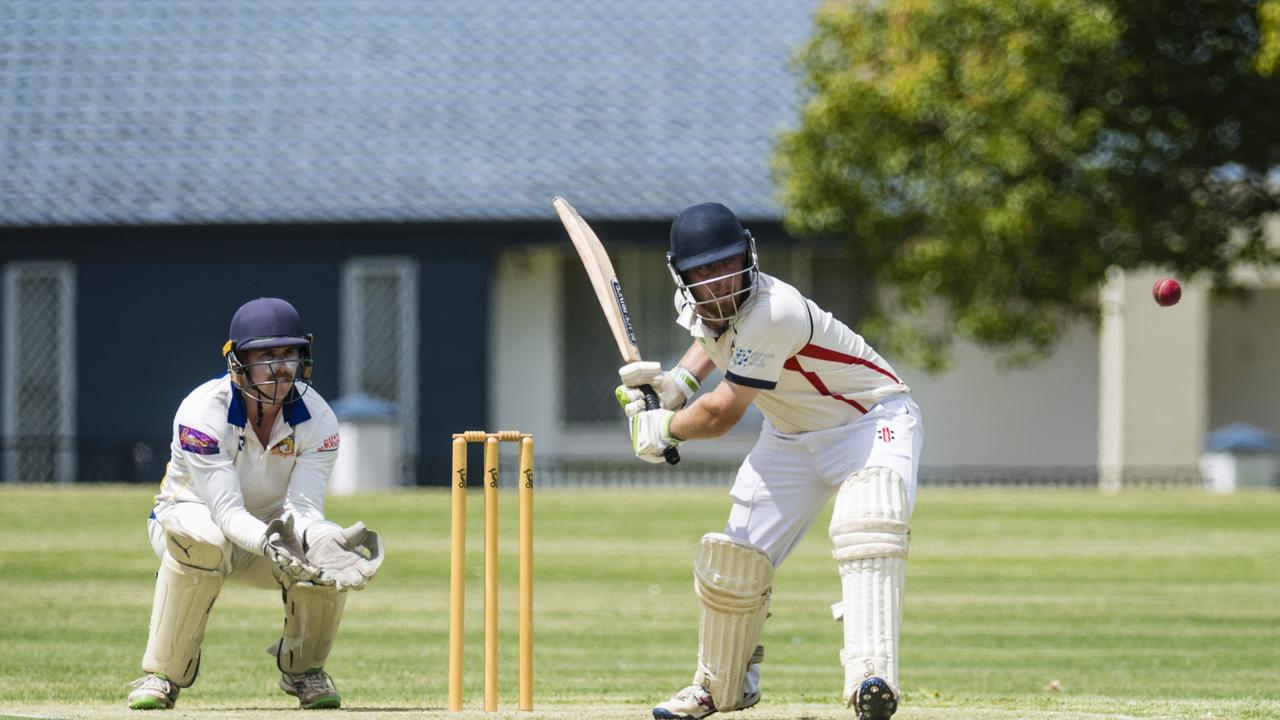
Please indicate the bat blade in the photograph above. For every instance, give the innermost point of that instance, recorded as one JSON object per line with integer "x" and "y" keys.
{"x": 609, "y": 294}
{"x": 604, "y": 281}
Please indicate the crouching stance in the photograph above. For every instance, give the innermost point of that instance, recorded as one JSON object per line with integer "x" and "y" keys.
{"x": 837, "y": 421}
{"x": 243, "y": 501}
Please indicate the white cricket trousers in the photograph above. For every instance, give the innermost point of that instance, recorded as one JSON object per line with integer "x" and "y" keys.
{"x": 787, "y": 478}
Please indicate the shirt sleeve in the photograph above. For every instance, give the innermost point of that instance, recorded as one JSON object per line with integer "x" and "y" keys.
{"x": 310, "y": 479}
{"x": 215, "y": 480}
{"x": 769, "y": 334}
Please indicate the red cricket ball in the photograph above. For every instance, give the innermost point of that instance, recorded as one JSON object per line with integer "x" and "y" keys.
{"x": 1166, "y": 291}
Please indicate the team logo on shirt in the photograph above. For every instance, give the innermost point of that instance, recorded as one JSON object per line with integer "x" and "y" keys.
{"x": 886, "y": 434}
{"x": 329, "y": 445}
{"x": 194, "y": 441}
{"x": 745, "y": 358}
{"x": 284, "y": 448}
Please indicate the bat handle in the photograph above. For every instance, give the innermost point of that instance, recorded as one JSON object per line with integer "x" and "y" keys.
{"x": 651, "y": 402}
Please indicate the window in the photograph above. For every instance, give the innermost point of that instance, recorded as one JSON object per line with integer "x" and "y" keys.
{"x": 591, "y": 360}
{"x": 39, "y": 374}
{"x": 380, "y": 340}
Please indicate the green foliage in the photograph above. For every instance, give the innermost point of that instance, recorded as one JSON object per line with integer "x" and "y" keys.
{"x": 1269, "y": 22}
{"x": 989, "y": 160}
{"x": 1144, "y": 604}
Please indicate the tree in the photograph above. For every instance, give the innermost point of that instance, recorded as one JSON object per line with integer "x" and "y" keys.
{"x": 990, "y": 159}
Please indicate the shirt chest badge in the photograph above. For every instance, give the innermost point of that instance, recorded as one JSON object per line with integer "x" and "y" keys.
{"x": 284, "y": 448}
{"x": 747, "y": 358}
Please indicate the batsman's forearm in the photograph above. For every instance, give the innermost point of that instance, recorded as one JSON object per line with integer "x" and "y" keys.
{"x": 700, "y": 421}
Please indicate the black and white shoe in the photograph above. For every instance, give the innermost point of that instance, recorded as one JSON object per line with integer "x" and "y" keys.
{"x": 875, "y": 699}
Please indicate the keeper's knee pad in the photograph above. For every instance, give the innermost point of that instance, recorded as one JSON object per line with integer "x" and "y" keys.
{"x": 206, "y": 550}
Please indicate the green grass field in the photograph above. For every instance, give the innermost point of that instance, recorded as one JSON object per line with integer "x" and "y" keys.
{"x": 1158, "y": 604}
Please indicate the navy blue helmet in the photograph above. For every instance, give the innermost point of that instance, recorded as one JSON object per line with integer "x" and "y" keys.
{"x": 268, "y": 323}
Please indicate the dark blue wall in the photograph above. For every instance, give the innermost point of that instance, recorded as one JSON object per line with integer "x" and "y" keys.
{"x": 154, "y": 303}
{"x": 153, "y": 306}
{"x": 152, "y": 329}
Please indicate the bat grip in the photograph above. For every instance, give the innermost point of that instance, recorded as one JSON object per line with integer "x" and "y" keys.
{"x": 651, "y": 402}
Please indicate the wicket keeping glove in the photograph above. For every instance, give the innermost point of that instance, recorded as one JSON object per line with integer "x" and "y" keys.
{"x": 674, "y": 388}
{"x": 347, "y": 558}
{"x": 281, "y": 546}
{"x": 651, "y": 434}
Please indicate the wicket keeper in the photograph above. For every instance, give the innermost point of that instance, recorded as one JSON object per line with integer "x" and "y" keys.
{"x": 243, "y": 500}
{"x": 838, "y": 420}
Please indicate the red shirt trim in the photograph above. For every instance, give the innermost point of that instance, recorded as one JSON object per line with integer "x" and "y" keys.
{"x": 820, "y": 353}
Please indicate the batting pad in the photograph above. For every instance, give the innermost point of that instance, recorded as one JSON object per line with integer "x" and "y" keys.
{"x": 733, "y": 580}
{"x": 311, "y": 617}
{"x": 869, "y": 535}
{"x": 184, "y": 596}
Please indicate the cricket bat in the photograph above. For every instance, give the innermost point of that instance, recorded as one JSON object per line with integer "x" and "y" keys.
{"x": 609, "y": 293}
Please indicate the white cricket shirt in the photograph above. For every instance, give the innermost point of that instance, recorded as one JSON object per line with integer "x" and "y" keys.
{"x": 812, "y": 371}
{"x": 216, "y": 459}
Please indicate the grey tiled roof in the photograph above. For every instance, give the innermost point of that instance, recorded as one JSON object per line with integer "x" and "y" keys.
{"x": 193, "y": 111}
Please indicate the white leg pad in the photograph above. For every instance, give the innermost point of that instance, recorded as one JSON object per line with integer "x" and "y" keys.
{"x": 311, "y": 617}
{"x": 869, "y": 536}
{"x": 184, "y": 596}
{"x": 733, "y": 580}
{"x": 193, "y": 543}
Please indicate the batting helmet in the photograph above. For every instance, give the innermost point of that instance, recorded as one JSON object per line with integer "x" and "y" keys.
{"x": 705, "y": 234}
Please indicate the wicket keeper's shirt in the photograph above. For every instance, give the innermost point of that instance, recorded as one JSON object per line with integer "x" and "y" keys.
{"x": 217, "y": 459}
{"x": 812, "y": 371}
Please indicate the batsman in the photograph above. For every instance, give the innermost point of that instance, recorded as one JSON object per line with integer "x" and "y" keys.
{"x": 242, "y": 500}
{"x": 838, "y": 420}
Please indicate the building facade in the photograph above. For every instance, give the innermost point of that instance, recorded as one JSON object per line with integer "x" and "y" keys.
{"x": 389, "y": 167}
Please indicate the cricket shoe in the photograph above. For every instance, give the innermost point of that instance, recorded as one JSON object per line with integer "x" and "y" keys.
{"x": 314, "y": 689}
{"x": 691, "y": 703}
{"x": 695, "y": 703}
{"x": 875, "y": 699}
{"x": 152, "y": 691}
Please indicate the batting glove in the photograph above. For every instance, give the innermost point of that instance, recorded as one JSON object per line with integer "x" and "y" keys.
{"x": 651, "y": 434}
{"x": 674, "y": 388}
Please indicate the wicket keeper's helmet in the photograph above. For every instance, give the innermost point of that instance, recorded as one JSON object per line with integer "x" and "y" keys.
{"x": 266, "y": 323}
{"x": 705, "y": 234}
